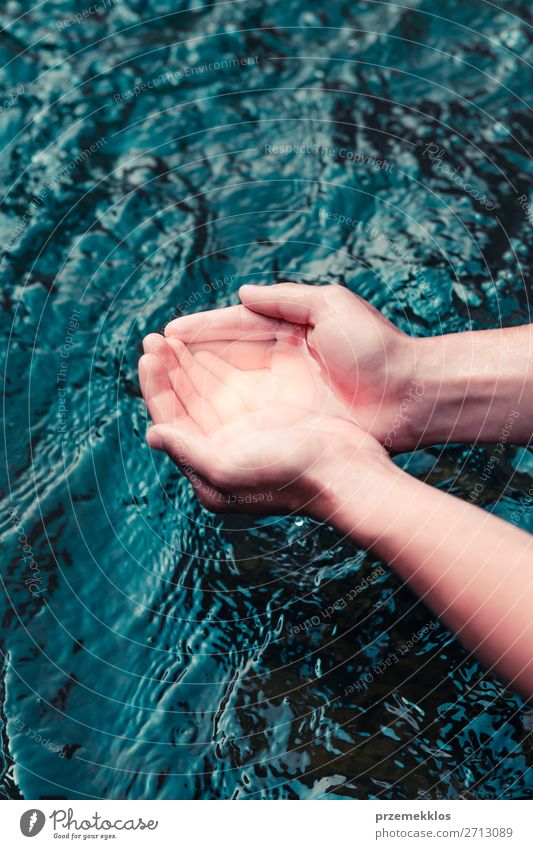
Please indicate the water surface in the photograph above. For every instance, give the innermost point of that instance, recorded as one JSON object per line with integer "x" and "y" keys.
{"x": 152, "y": 650}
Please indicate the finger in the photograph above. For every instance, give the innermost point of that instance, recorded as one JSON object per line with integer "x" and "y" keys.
{"x": 224, "y": 324}
{"x": 244, "y": 387}
{"x": 160, "y": 398}
{"x": 197, "y": 404}
{"x": 153, "y": 343}
{"x": 247, "y": 356}
{"x": 222, "y": 398}
{"x": 158, "y": 345}
{"x": 198, "y": 407}
{"x": 195, "y": 453}
{"x": 294, "y": 302}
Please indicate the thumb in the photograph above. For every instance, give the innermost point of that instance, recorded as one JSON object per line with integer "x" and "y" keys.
{"x": 295, "y": 302}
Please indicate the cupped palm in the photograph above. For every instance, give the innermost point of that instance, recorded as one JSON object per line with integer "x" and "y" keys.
{"x": 249, "y": 413}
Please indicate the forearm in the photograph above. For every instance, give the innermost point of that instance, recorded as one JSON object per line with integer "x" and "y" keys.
{"x": 474, "y": 386}
{"x": 472, "y": 569}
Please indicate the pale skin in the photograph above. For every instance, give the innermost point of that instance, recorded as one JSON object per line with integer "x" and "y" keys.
{"x": 290, "y": 398}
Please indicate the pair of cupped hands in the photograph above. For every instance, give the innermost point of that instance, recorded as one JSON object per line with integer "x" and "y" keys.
{"x": 261, "y": 405}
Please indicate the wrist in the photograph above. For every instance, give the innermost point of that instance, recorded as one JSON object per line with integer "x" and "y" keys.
{"x": 355, "y": 489}
{"x": 442, "y": 391}
{"x": 401, "y": 413}
{"x": 466, "y": 392}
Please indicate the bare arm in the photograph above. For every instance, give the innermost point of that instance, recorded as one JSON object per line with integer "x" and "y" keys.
{"x": 474, "y": 570}
{"x": 240, "y": 405}
{"x": 478, "y": 386}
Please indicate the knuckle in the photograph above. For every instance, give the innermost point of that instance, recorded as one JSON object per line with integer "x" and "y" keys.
{"x": 338, "y": 293}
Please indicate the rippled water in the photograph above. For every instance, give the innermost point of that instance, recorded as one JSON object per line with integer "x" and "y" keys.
{"x": 152, "y": 650}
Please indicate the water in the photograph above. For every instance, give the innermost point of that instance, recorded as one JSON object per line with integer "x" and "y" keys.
{"x": 152, "y": 650}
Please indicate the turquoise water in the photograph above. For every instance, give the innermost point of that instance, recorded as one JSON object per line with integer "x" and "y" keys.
{"x": 155, "y": 156}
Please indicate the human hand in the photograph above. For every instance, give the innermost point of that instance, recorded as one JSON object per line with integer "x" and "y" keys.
{"x": 409, "y": 392}
{"x": 252, "y": 422}
{"x": 367, "y": 363}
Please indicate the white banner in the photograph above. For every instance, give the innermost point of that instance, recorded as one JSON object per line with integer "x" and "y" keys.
{"x": 264, "y": 825}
